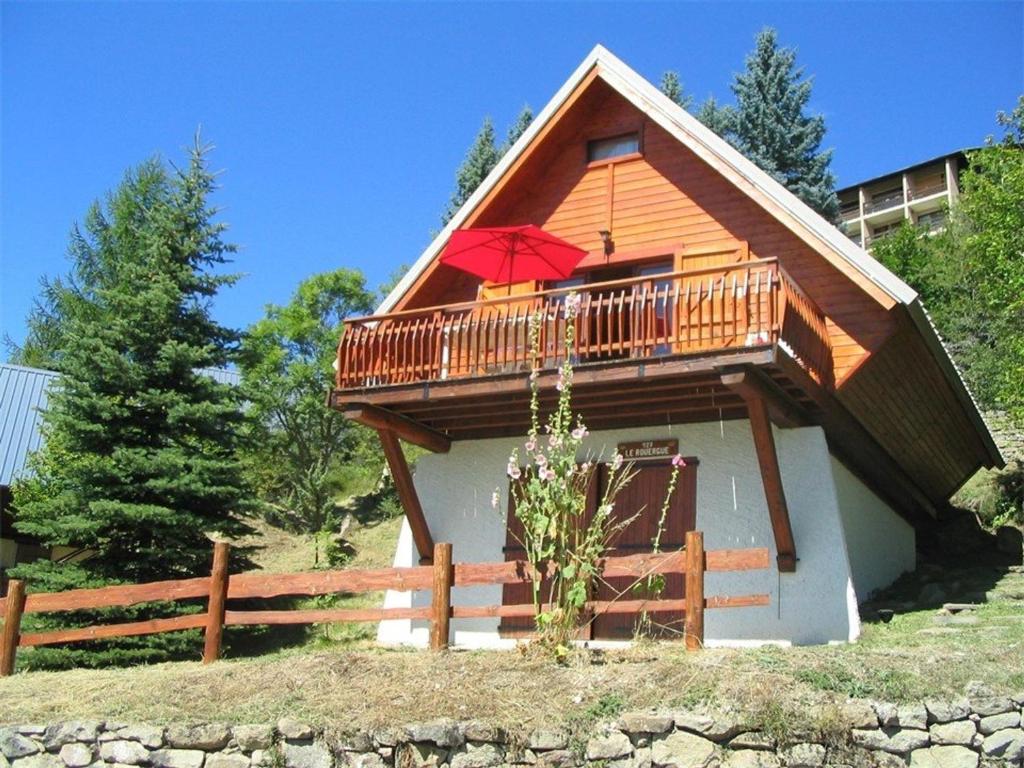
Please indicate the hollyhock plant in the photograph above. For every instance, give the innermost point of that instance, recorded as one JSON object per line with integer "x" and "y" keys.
{"x": 550, "y": 491}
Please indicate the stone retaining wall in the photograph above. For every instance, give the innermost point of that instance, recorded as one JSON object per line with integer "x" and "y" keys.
{"x": 979, "y": 730}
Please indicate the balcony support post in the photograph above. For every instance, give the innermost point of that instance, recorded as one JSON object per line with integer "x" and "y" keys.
{"x": 748, "y": 382}
{"x": 407, "y": 495}
{"x": 761, "y": 398}
{"x": 407, "y": 429}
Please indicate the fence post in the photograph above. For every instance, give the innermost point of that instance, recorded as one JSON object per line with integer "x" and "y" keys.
{"x": 214, "y": 632}
{"x": 694, "y": 590}
{"x": 12, "y": 626}
{"x": 441, "y": 597}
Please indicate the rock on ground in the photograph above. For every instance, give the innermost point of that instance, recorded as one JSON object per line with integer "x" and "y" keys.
{"x": 944, "y": 757}
{"x": 682, "y": 750}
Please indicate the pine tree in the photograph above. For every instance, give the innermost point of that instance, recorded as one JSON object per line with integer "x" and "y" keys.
{"x": 139, "y": 464}
{"x": 672, "y": 87}
{"x": 479, "y": 161}
{"x": 718, "y": 118}
{"x": 517, "y": 129}
{"x": 771, "y": 128}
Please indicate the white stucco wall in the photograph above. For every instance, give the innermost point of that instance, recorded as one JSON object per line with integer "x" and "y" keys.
{"x": 816, "y": 604}
{"x": 880, "y": 543}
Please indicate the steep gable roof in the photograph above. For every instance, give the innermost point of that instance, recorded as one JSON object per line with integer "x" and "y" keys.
{"x": 851, "y": 260}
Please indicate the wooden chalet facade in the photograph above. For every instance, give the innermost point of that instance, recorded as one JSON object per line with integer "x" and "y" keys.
{"x": 719, "y": 312}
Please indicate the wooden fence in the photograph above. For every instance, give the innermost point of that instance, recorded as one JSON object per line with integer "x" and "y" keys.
{"x": 220, "y": 587}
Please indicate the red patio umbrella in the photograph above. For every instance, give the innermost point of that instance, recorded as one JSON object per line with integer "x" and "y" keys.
{"x": 511, "y": 254}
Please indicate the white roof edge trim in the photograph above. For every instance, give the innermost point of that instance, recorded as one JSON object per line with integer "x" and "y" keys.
{"x": 538, "y": 123}
{"x": 923, "y": 322}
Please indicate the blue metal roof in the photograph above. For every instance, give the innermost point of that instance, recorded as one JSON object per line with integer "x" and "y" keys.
{"x": 23, "y": 396}
{"x": 23, "y": 393}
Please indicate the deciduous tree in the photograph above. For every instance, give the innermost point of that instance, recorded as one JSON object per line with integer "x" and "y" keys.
{"x": 296, "y": 442}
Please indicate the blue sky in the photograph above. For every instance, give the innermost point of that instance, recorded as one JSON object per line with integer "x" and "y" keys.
{"x": 339, "y": 126}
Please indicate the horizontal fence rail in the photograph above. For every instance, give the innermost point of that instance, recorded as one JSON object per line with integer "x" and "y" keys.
{"x": 717, "y": 308}
{"x": 439, "y": 579}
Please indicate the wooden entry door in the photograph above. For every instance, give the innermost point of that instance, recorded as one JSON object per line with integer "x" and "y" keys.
{"x": 646, "y": 491}
{"x": 644, "y": 497}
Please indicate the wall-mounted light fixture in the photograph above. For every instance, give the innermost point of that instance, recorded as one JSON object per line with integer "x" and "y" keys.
{"x": 609, "y": 244}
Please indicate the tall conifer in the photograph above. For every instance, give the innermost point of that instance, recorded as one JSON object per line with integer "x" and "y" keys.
{"x": 479, "y": 161}
{"x": 770, "y": 126}
{"x": 139, "y": 465}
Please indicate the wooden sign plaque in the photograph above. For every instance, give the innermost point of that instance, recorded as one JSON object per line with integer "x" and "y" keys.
{"x": 646, "y": 450}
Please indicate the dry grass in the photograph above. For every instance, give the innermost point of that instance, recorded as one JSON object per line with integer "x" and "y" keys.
{"x": 909, "y": 658}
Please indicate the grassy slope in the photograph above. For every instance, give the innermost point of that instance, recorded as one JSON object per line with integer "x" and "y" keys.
{"x": 917, "y": 655}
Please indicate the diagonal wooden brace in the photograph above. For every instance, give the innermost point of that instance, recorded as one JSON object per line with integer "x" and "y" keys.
{"x": 407, "y": 495}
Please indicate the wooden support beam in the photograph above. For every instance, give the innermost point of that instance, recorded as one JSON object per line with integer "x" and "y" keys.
{"x": 407, "y": 495}
{"x": 771, "y": 478}
{"x": 407, "y": 429}
{"x": 750, "y": 383}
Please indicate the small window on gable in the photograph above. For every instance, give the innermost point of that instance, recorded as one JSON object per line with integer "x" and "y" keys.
{"x": 616, "y": 146}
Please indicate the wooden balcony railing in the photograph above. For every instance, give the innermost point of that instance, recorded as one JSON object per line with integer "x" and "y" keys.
{"x": 718, "y": 308}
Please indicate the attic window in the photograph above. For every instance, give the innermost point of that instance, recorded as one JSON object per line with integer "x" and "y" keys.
{"x": 615, "y": 146}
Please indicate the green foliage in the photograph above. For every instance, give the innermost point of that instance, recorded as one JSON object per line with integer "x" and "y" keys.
{"x": 771, "y": 128}
{"x": 139, "y": 464}
{"x": 481, "y": 158}
{"x": 672, "y": 87}
{"x": 296, "y": 444}
{"x": 562, "y": 539}
{"x": 971, "y": 277}
{"x": 517, "y": 129}
{"x": 719, "y": 118}
{"x": 769, "y": 124}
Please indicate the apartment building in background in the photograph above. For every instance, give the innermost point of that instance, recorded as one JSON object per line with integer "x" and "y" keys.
{"x": 921, "y": 193}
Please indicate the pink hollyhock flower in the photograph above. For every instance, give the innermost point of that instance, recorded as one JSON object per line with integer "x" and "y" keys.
{"x": 542, "y": 460}
{"x": 617, "y": 461}
{"x": 531, "y": 445}
{"x": 579, "y": 433}
{"x": 572, "y": 305}
{"x": 514, "y": 472}
{"x": 678, "y": 461}
{"x": 547, "y": 474}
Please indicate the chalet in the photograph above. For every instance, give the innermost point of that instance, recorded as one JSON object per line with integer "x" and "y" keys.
{"x": 721, "y": 318}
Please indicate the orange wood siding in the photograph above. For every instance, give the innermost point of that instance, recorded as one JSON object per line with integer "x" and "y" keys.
{"x": 668, "y": 200}
{"x": 901, "y": 397}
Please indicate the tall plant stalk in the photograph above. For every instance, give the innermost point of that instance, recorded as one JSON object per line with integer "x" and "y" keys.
{"x": 550, "y": 487}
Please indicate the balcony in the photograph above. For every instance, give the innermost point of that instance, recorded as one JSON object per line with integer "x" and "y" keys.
{"x": 883, "y": 203}
{"x": 923, "y": 192}
{"x": 849, "y": 213}
{"x": 654, "y": 339}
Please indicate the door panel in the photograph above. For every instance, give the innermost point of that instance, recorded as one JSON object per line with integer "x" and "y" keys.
{"x": 643, "y": 497}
